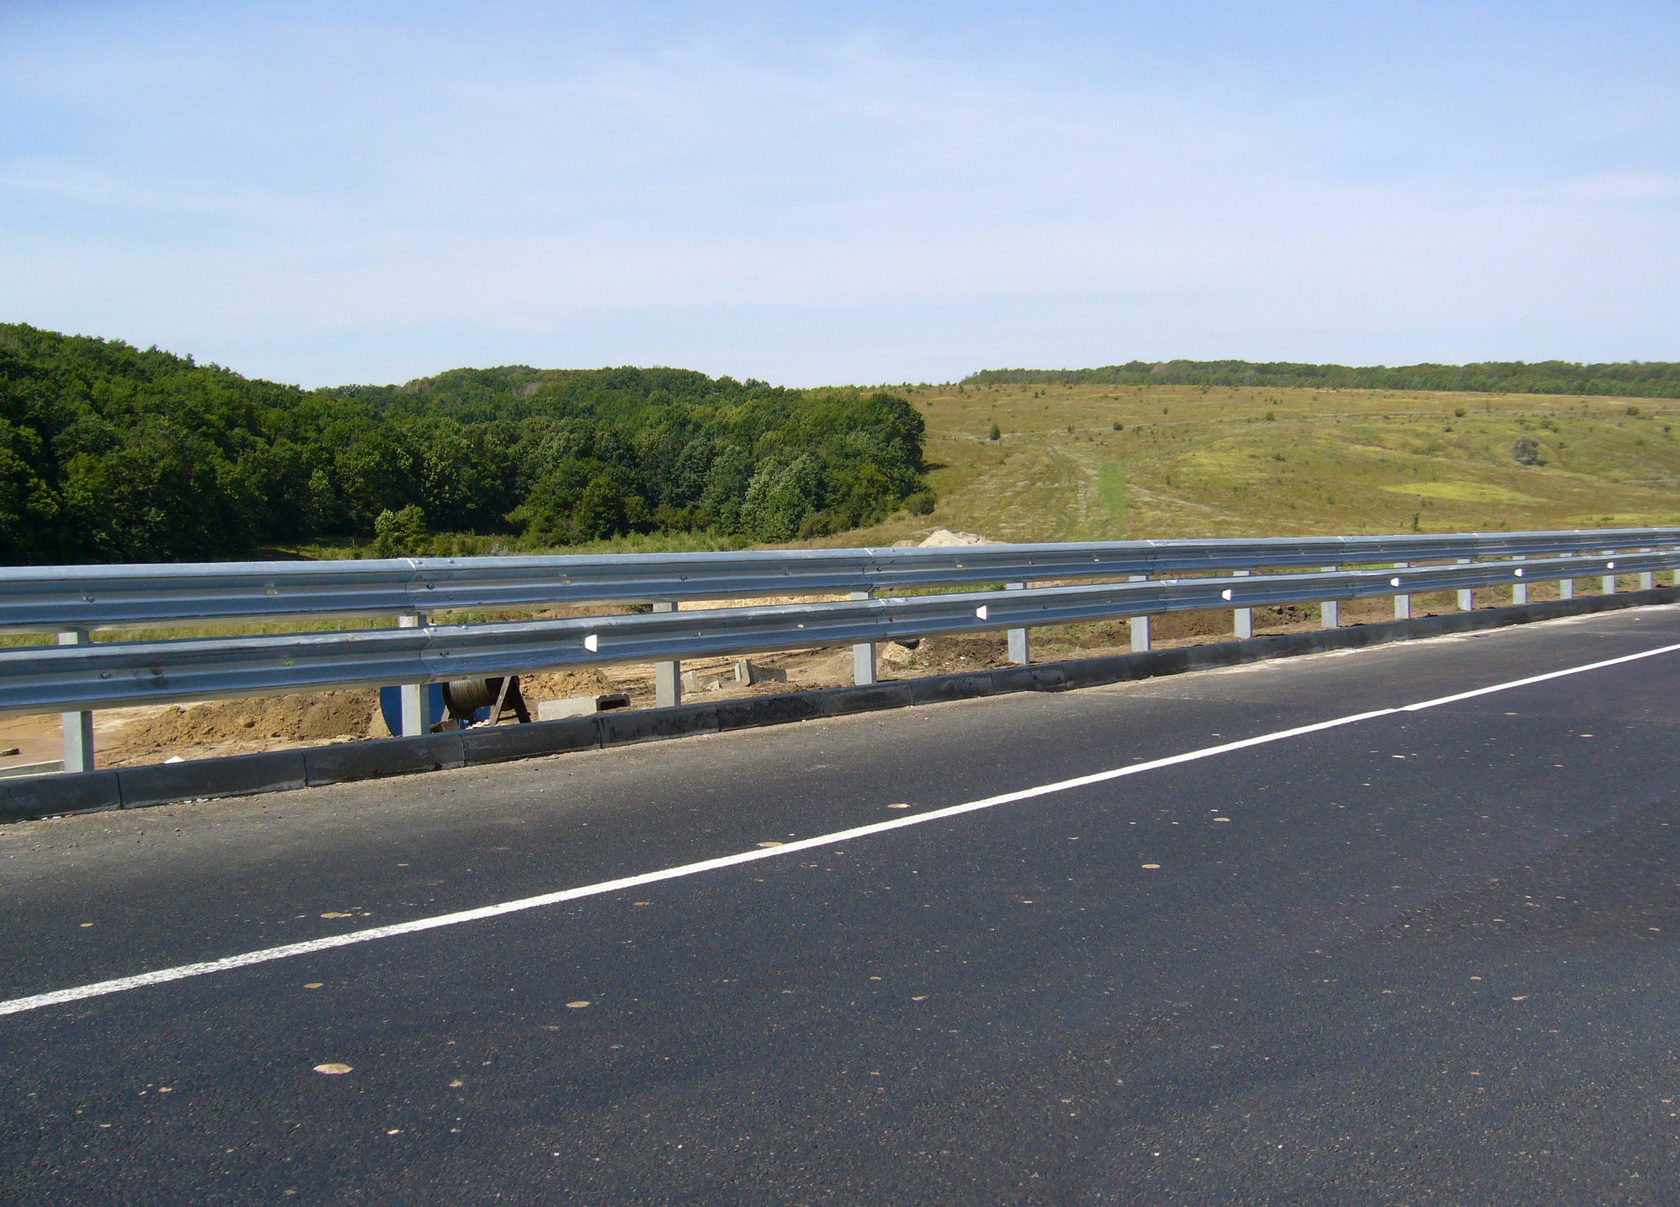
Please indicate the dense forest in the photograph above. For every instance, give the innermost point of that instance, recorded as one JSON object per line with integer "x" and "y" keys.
{"x": 110, "y": 453}
{"x": 1653, "y": 379}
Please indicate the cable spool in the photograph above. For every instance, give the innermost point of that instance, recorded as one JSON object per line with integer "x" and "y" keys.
{"x": 465, "y": 698}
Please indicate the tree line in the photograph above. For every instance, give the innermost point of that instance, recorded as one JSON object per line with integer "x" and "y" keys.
{"x": 1633, "y": 379}
{"x": 112, "y": 453}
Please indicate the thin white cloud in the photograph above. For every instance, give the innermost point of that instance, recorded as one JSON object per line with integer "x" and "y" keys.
{"x": 262, "y": 184}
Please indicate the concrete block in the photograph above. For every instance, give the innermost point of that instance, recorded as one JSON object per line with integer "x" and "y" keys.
{"x": 648, "y": 724}
{"x": 20, "y": 770}
{"x": 769, "y": 710}
{"x": 344, "y": 761}
{"x": 1014, "y": 679}
{"x": 843, "y": 701}
{"x": 235, "y": 775}
{"x": 503, "y": 743}
{"x": 938, "y": 688}
{"x": 1094, "y": 672}
{"x": 46, "y": 795}
{"x": 750, "y": 672}
{"x": 580, "y": 706}
{"x": 571, "y": 706}
{"x": 1048, "y": 678}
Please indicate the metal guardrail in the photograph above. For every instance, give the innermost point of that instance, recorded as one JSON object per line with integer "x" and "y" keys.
{"x": 78, "y": 675}
{"x": 62, "y": 598}
{"x": 90, "y": 676}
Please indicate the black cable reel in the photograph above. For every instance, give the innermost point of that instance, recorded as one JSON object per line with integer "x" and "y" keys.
{"x": 464, "y": 698}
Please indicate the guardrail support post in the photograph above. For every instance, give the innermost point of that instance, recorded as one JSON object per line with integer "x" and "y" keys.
{"x": 1566, "y": 588}
{"x": 863, "y": 654}
{"x": 667, "y": 676}
{"x": 77, "y": 726}
{"x": 1402, "y": 603}
{"x": 1608, "y": 582}
{"x": 1139, "y": 625}
{"x": 1519, "y": 589}
{"x": 1329, "y": 610}
{"x": 1647, "y": 580}
{"x": 1242, "y": 619}
{"x": 1466, "y": 595}
{"x": 1019, "y": 652}
{"x": 413, "y": 705}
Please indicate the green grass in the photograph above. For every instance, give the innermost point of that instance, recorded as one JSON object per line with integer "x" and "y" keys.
{"x": 1463, "y": 492}
{"x": 1111, "y": 489}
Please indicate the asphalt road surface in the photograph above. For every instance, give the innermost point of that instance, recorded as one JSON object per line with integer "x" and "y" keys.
{"x": 1262, "y": 935}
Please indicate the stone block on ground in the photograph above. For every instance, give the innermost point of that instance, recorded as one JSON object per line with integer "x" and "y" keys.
{"x": 580, "y": 706}
{"x": 750, "y": 672}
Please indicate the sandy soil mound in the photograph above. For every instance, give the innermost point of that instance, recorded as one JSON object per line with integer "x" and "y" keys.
{"x": 313, "y": 718}
{"x": 943, "y": 538}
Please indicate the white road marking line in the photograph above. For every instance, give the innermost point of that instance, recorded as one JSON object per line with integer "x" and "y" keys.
{"x": 181, "y": 972}
{"x": 1500, "y": 687}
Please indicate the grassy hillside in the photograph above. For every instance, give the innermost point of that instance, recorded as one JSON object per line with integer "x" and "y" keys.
{"x": 1077, "y": 462}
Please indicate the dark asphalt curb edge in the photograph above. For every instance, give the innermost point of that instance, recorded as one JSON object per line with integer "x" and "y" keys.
{"x": 274, "y": 771}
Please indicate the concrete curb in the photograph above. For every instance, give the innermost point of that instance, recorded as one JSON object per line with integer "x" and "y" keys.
{"x": 240, "y": 775}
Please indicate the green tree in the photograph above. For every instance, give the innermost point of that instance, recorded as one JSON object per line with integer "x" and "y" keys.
{"x": 779, "y": 497}
{"x": 29, "y": 508}
{"x": 399, "y": 533}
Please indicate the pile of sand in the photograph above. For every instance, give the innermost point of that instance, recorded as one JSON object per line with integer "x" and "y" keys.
{"x": 321, "y": 717}
{"x": 943, "y": 538}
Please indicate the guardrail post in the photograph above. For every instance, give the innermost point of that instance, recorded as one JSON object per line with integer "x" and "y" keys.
{"x": 413, "y": 697}
{"x": 1647, "y": 580}
{"x": 1519, "y": 589}
{"x": 1402, "y": 603}
{"x": 1466, "y": 595}
{"x": 863, "y": 654}
{"x": 1329, "y": 610}
{"x": 1242, "y": 619}
{"x": 77, "y": 726}
{"x": 1139, "y": 625}
{"x": 1566, "y": 588}
{"x": 667, "y": 676}
{"x": 1019, "y": 653}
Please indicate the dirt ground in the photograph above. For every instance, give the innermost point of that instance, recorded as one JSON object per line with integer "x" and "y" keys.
{"x": 154, "y": 734}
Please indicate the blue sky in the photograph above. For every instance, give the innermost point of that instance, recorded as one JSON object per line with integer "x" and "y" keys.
{"x": 329, "y": 193}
